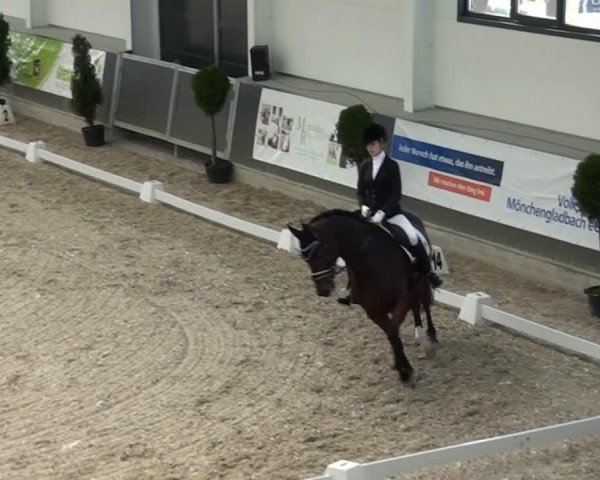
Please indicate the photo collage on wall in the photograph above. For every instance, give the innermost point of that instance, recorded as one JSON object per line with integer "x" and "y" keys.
{"x": 334, "y": 150}
{"x": 300, "y": 134}
{"x": 275, "y": 128}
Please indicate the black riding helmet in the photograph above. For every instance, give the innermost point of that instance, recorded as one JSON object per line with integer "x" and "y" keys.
{"x": 373, "y": 133}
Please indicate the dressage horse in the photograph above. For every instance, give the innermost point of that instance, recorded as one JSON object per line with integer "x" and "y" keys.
{"x": 379, "y": 270}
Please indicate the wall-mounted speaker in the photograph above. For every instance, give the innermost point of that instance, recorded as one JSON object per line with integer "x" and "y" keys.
{"x": 259, "y": 61}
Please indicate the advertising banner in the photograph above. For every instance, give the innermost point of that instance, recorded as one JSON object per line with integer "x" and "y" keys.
{"x": 299, "y": 133}
{"x": 515, "y": 186}
{"x": 46, "y": 64}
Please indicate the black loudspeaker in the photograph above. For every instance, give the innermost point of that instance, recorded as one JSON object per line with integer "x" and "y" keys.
{"x": 259, "y": 60}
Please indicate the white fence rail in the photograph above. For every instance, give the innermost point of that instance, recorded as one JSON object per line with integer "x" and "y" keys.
{"x": 541, "y": 332}
{"x": 149, "y": 191}
{"x": 218, "y": 217}
{"x": 13, "y": 144}
{"x": 535, "y": 438}
{"x": 449, "y": 299}
{"x": 91, "y": 172}
{"x": 476, "y": 308}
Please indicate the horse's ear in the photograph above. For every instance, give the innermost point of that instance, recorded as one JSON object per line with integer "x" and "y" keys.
{"x": 296, "y": 232}
{"x": 308, "y": 231}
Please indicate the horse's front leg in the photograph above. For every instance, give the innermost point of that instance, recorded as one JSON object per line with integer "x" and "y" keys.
{"x": 355, "y": 287}
{"x": 390, "y": 327}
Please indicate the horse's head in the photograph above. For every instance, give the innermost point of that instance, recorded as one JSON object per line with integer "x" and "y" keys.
{"x": 320, "y": 257}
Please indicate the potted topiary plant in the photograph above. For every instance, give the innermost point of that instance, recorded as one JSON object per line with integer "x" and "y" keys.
{"x": 211, "y": 87}
{"x": 586, "y": 190}
{"x": 351, "y": 124}
{"x": 86, "y": 91}
{"x": 5, "y": 62}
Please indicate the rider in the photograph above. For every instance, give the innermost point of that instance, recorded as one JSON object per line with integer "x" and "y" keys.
{"x": 379, "y": 193}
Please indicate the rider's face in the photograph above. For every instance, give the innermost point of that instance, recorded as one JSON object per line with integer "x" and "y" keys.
{"x": 374, "y": 148}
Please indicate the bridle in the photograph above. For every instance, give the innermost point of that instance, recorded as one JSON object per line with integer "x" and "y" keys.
{"x": 309, "y": 251}
{"x": 307, "y": 254}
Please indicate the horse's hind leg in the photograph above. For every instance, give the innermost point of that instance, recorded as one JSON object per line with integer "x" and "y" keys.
{"x": 431, "y": 332}
{"x": 424, "y": 341}
{"x": 417, "y": 321}
{"x": 401, "y": 363}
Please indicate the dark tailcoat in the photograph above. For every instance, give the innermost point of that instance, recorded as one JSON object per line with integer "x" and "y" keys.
{"x": 383, "y": 192}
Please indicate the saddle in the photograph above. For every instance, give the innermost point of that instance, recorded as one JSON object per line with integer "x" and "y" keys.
{"x": 400, "y": 238}
{"x": 399, "y": 235}
{"x": 418, "y": 255}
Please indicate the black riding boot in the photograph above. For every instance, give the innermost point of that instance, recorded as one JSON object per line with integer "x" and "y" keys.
{"x": 423, "y": 264}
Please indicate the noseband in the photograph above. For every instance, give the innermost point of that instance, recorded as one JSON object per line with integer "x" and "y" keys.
{"x": 307, "y": 254}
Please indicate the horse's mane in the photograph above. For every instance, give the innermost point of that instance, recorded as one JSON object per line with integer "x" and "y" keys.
{"x": 342, "y": 213}
{"x": 355, "y": 216}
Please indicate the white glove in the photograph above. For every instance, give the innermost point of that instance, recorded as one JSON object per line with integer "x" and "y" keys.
{"x": 378, "y": 217}
{"x": 365, "y": 211}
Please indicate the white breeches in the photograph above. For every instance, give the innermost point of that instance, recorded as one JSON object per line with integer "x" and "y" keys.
{"x": 414, "y": 236}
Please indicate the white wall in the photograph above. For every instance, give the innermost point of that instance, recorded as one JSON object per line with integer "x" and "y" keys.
{"x": 14, "y": 8}
{"x": 534, "y": 79}
{"x": 104, "y": 17}
{"x": 347, "y": 42}
{"x": 539, "y": 80}
{"x": 260, "y": 22}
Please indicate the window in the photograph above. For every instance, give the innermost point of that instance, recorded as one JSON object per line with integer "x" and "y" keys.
{"x": 233, "y": 37}
{"x": 537, "y": 9}
{"x": 187, "y": 34}
{"x": 570, "y": 18}
{"x": 583, "y": 13}
{"x": 500, "y": 8}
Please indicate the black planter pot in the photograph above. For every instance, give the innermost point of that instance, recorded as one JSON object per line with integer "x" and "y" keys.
{"x": 593, "y": 296}
{"x": 94, "y": 135}
{"x": 220, "y": 172}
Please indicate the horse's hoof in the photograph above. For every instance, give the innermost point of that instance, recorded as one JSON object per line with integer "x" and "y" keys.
{"x": 411, "y": 379}
{"x": 345, "y": 301}
{"x": 429, "y": 350}
{"x": 410, "y": 384}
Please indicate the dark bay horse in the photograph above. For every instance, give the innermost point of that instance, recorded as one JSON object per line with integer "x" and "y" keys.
{"x": 378, "y": 269}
